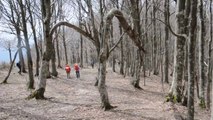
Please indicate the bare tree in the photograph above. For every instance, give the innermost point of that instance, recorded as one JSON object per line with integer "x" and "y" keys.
{"x": 201, "y": 61}
{"x": 53, "y": 57}
{"x": 81, "y": 38}
{"x": 33, "y": 24}
{"x": 185, "y": 87}
{"x": 155, "y": 56}
{"x": 121, "y": 44}
{"x": 44, "y": 69}
{"x": 191, "y": 65}
{"x": 29, "y": 57}
{"x": 209, "y": 80}
{"x": 175, "y": 90}
{"x": 166, "y": 55}
{"x": 136, "y": 26}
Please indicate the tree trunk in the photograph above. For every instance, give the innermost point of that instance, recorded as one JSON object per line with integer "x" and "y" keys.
{"x": 21, "y": 58}
{"x": 34, "y": 37}
{"x": 81, "y": 38}
{"x": 102, "y": 87}
{"x": 166, "y": 56}
{"x": 136, "y": 80}
{"x": 128, "y": 56}
{"x": 44, "y": 70}
{"x": 136, "y": 24}
{"x": 185, "y": 87}
{"x": 145, "y": 57}
{"x": 122, "y": 54}
{"x": 185, "y": 92}
{"x": 175, "y": 90}
{"x": 29, "y": 58}
{"x": 104, "y": 54}
{"x": 53, "y": 61}
{"x": 132, "y": 62}
{"x": 64, "y": 45}
{"x": 10, "y": 54}
{"x": 155, "y": 56}
{"x": 39, "y": 93}
{"x": 191, "y": 65}
{"x": 209, "y": 80}
{"x": 201, "y": 56}
{"x": 57, "y": 50}
{"x": 112, "y": 44}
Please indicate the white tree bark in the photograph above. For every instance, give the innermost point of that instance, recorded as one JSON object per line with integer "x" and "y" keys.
{"x": 175, "y": 90}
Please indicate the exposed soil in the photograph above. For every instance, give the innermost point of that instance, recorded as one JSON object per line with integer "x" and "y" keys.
{"x": 78, "y": 99}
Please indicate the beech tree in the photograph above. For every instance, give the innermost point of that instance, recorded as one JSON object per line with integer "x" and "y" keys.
{"x": 201, "y": 55}
{"x": 176, "y": 88}
{"x": 29, "y": 57}
{"x": 191, "y": 58}
{"x": 155, "y": 56}
{"x": 44, "y": 69}
{"x": 166, "y": 55}
{"x": 209, "y": 74}
{"x": 32, "y": 20}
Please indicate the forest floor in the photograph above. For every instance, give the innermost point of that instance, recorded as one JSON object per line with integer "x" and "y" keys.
{"x": 78, "y": 99}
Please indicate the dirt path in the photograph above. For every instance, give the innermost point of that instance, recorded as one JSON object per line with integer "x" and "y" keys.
{"x": 78, "y": 99}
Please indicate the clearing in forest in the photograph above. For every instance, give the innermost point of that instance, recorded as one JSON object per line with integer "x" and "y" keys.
{"x": 79, "y": 99}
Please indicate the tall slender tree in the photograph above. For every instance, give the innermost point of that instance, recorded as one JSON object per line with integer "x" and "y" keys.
{"x": 81, "y": 38}
{"x": 166, "y": 55}
{"x": 32, "y": 24}
{"x": 155, "y": 55}
{"x": 191, "y": 65}
{"x": 29, "y": 57}
{"x": 201, "y": 55}
{"x": 44, "y": 69}
{"x": 136, "y": 26}
{"x": 175, "y": 90}
{"x": 209, "y": 63}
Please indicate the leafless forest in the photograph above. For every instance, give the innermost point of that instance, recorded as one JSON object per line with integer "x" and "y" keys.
{"x": 139, "y": 59}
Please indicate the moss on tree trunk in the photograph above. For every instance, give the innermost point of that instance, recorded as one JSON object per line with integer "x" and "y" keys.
{"x": 38, "y": 94}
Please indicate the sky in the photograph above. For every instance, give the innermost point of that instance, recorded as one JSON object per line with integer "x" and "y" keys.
{"x": 5, "y": 56}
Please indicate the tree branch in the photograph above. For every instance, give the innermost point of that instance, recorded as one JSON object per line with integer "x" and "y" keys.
{"x": 117, "y": 43}
{"x": 175, "y": 34}
{"x": 124, "y": 24}
{"x": 79, "y": 30}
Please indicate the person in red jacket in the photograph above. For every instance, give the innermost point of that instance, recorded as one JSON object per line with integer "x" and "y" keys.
{"x": 77, "y": 70}
{"x": 68, "y": 70}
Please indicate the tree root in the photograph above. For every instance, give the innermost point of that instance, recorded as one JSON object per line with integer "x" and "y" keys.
{"x": 172, "y": 98}
{"x": 138, "y": 87}
{"x": 4, "y": 82}
{"x": 38, "y": 94}
{"x": 108, "y": 107}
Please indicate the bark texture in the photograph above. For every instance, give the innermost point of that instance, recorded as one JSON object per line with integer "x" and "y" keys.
{"x": 201, "y": 56}
{"x": 175, "y": 90}
{"x": 191, "y": 65}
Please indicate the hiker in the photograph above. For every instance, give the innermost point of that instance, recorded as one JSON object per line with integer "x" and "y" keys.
{"x": 77, "y": 70}
{"x": 68, "y": 69}
{"x": 18, "y": 64}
